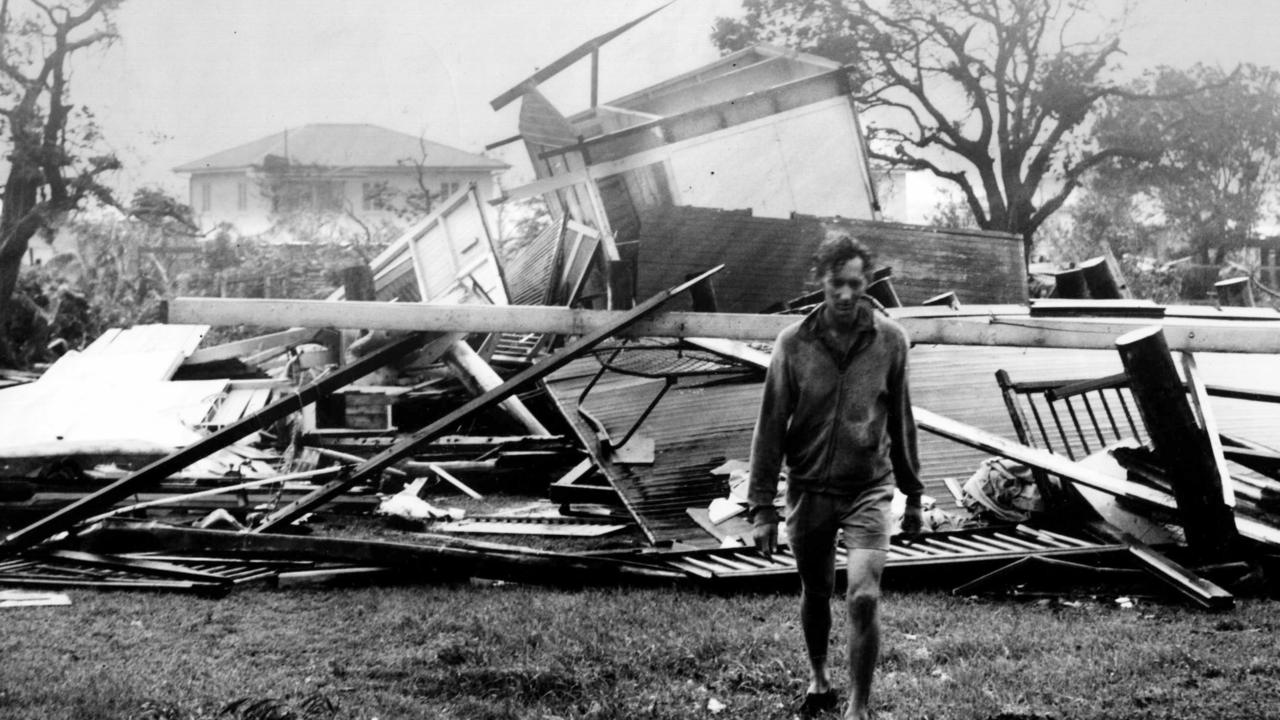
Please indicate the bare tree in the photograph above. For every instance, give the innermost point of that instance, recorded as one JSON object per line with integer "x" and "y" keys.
{"x": 994, "y": 96}
{"x": 50, "y": 169}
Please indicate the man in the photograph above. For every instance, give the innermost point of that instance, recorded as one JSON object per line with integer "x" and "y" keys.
{"x": 837, "y": 409}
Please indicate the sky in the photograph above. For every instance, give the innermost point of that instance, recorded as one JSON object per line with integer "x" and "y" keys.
{"x": 192, "y": 77}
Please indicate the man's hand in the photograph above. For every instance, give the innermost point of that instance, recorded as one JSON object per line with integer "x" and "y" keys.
{"x": 912, "y": 519}
{"x": 764, "y": 530}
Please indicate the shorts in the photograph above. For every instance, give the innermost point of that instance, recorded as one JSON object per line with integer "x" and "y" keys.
{"x": 813, "y": 519}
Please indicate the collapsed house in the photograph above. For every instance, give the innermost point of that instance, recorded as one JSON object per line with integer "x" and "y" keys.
{"x": 619, "y": 356}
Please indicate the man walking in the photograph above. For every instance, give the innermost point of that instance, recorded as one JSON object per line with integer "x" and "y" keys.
{"x": 837, "y": 410}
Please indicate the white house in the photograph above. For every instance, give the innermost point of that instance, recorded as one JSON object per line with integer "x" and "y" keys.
{"x": 364, "y": 170}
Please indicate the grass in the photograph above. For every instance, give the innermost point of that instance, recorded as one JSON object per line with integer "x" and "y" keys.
{"x": 506, "y": 651}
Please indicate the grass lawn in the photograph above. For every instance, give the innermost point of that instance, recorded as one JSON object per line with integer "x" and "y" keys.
{"x": 507, "y": 651}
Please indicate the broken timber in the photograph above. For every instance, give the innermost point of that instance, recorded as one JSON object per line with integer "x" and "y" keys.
{"x": 103, "y": 499}
{"x": 286, "y": 515}
{"x": 1197, "y": 589}
{"x": 1010, "y": 325}
{"x": 1182, "y": 446}
{"x": 1075, "y": 472}
{"x": 435, "y": 557}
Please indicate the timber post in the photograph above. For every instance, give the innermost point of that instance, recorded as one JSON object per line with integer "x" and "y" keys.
{"x": 703, "y": 295}
{"x": 881, "y": 288}
{"x": 1100, "y": 279}
{"x": 1070, "y": 284}
{"x": 1235, "y": 292}
{"x": 1180, "y": 444}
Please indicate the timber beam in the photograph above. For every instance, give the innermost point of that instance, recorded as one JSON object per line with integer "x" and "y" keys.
{"x": 285, "y": 516}
{"x": 1007, "y": 325}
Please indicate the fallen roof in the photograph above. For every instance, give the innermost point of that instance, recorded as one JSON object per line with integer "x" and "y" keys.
{"x": 694, "y": 429}
{"x": 343, "y": 145}
{"x": 750, "y": 69}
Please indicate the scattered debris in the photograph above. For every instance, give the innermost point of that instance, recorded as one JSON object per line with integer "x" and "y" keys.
{"x": 26, "y": 598}
{"x": 445, "y": 368}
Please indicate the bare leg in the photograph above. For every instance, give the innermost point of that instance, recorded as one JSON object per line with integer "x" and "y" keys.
{"x": 863, "y": 599}
{"x": 815, "y": 620}
{"x": 814, "y": 544}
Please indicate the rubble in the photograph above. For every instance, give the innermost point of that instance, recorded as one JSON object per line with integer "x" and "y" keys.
{"x": 611, "y": 367}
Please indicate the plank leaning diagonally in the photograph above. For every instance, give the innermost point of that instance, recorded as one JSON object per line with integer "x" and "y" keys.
{"x": 286, "y": 515}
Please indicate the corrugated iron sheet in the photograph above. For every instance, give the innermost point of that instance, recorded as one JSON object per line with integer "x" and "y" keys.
{"x": 529, "y": 268}
{"x": 696, "y": 428}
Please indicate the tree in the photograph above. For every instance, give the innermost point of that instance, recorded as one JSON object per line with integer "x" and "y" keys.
{"x": 52, "y": 170}
{"x": 1214, "y": 167}
{"x": 995, "y": 96}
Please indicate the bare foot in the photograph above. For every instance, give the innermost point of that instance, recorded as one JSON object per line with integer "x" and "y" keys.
{"x": 817, "y": 687}
{"x": 853, "y": 713}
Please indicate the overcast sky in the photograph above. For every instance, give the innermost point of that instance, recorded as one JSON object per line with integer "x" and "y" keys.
{"x": 193, "y": 77}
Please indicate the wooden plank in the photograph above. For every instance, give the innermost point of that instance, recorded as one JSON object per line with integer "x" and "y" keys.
{"x": 564, "y": 61}
{"x": 330, "y": 576}
{"x": 69, "y": 516}
{"x": 231, "y": 407}
{"x": 1242, "y": 393}
{"x": 221, "y": 490}
{"x": 443, "y": 474}
{"x": 546, "y": 527}
{"x": 1035, "y": 457}
{"x": 167, "y": 570}
{"x": 1187, "y": 583}
{"x": 479, "y": 377}
{"x": 539, "y": 370}
{"x": 27, "y": 598}
{"x": 1000, "y": 325}
{"x": 69, "y": 583}
{"x": 249, "y": 346}
{"x": 434, "y": 556}
{"x": 1199, "y": 397}
{"x": 1074, "y": 472}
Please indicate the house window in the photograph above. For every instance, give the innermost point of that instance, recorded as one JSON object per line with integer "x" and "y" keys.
{"x": 448, "y": 188}
{"x": 329, "y": 195}
{"x": 369, "y": 194}
{"x": 206, "y": 196}
{"x": 307, "y": 195}
{"x": 242, "y": 196}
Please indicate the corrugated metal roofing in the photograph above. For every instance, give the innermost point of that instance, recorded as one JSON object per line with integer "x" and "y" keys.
{"x": 767, "y": 260}
{"x": 541, "y": 123}
{"x": 696, "y": 428}
{"x": 343, "y": 145}
{"x": 529, "y": 268}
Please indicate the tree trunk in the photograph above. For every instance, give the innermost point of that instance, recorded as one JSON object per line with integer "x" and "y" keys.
{"x": 18, "y": 223}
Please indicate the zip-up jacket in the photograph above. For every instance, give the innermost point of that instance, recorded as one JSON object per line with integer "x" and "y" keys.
{"x": 842, "y": 424}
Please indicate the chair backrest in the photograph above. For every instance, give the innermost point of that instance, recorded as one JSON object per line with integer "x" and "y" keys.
{"x": 1072, "y": 417}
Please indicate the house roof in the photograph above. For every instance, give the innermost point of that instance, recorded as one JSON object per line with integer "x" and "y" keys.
{"x": 342, "y": 145}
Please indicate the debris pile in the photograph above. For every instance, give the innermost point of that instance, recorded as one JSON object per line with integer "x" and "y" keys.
{"x": 611, "y": 369}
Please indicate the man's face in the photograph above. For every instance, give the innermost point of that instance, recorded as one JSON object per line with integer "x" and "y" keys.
{"x": 842, "y": 286}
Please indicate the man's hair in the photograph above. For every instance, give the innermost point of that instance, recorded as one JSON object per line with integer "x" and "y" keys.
{"x": 834, "y": 252}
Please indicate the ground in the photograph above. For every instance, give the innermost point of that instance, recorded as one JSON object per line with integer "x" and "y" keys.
{"x": 482, "y": 650}
{"x": 505, "y": 651}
